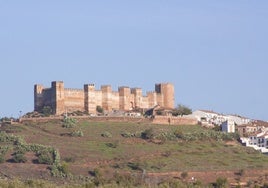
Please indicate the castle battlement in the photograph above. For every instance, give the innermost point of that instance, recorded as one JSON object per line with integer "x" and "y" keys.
{"x": 62, "y": 99}
{"x": 72, "y": 89}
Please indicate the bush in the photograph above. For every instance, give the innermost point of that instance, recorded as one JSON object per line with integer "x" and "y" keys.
{"x": 221, "y": 182}
{"x": 98, "y": 177}
{"x": 77, "y": 133}
{"x": 166, "y": 136}
{"x": 127, "y": 134}
{"x": 106, "y": 134}
{"x": 178, "y": 133}
{"x": 19, "y": 158}
{"x": 64, "y": 168}
{"x": 147, "y": 134}
{"x": 99, "y": 109}
{"x": 184, "y": 175}
{"x": 45, "y": 157}
{"x": 69, "y": 122}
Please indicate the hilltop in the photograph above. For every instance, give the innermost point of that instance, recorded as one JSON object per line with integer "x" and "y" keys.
{"x": 134, "y": 152}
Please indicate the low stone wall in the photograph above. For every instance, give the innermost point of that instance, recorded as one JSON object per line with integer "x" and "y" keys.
{"x": 169, "y": 120}
{"x": 165, "y": 120}
{"x": 97, "y": 119}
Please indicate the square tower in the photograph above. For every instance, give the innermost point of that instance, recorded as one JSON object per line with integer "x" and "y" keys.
{"x": 166, "y": 91}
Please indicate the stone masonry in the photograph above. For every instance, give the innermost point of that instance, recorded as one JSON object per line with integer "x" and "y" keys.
{"x": 63, "y": 100}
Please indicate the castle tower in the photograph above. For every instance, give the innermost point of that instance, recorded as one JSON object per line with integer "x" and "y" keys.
{"x": 137, "y": 92}
{"x": 38, "y": 97}
{"x": 90, "y": 101}
{"x": 152, "y": 99}
{"x": 58, "y": 97}
{"x": 166, "y": 90}
{"x": 107, "y": 97}
{"x": 124, "y": 98}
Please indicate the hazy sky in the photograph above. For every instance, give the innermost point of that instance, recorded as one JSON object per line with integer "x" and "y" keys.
{"x": 215, "y": 52}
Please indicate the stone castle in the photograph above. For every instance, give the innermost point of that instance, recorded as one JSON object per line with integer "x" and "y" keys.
{"x": 63, "y": 100}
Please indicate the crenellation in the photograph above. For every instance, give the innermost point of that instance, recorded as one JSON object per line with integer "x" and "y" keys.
{"x": 73, "y": 90}
{"x": 63, "y": 100}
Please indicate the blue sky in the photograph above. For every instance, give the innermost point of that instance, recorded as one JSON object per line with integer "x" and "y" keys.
{"x": 215, "y": 52}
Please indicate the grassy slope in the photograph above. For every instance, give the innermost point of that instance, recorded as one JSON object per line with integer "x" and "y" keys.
{"x": 91, "y": 151}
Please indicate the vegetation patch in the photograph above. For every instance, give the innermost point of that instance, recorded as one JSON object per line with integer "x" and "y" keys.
{"x": 107, "y": 134}
{"x": 69, "y": 122}
{"x": 46, "y": 155}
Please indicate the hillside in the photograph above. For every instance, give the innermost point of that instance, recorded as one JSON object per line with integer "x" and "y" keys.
{"x": 144, "y": 152}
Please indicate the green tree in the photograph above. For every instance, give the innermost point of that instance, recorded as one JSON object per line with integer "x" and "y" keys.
{"x": 181, "y": 110}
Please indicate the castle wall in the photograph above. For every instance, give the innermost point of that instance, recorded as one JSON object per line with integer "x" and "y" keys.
{"x": 124, "y": 98}
{"x": 137, "y": 98}
{"x": 98, "y": 98}
{"x": 63, "y": 100}
{"x": 164, "y": 120}
{"x": 106, "y": 98}
{"x": 145, "y": 102}
{"x": 74, "y": 100}
{"x": 115, "y": 100}
{"x": 152, "y": 98}
{"x": 160, "y": 99}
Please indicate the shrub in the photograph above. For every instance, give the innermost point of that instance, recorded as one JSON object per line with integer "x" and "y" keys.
{"x": 98, "y": 177}
{"x": 69, "y": 122}
{"x": 77, "y": 133}
{"x": 19, "y": 158}
{"x": 221, "y": 182}
{"x": 64, "y": 168}
{"x": 99, "y": 109}
{"x": 184, "y": 175}
{"x": 6, "y": 138}
{"x": 45, "y": 157}
{"x": 127, "y": 134}
{"x": 164, "y": 136}
{"x": 106, "y": 134}
{"x": 178, "y": 133}
{"x": 147, "y": 134}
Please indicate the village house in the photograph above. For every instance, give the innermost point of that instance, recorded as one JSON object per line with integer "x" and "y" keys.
{"x": 238, "y": 120}
{"x": 258, "y": 141}
{"x": 255, "y": 126}
{"x": 228, "y": 126}
{"x": 206, "y": 117}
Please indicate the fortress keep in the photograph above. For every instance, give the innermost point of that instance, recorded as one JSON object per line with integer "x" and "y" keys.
{"x": 62, "y": 99}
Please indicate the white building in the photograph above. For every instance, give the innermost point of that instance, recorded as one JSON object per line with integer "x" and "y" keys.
{"x": 239, "y": 120}
{"x": 228, "y": 126}
{"x": 209, "y": 117}
{"x": 257, "y": 141}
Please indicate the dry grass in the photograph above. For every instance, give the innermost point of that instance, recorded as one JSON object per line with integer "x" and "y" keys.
{"x": 91, "y": 151}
